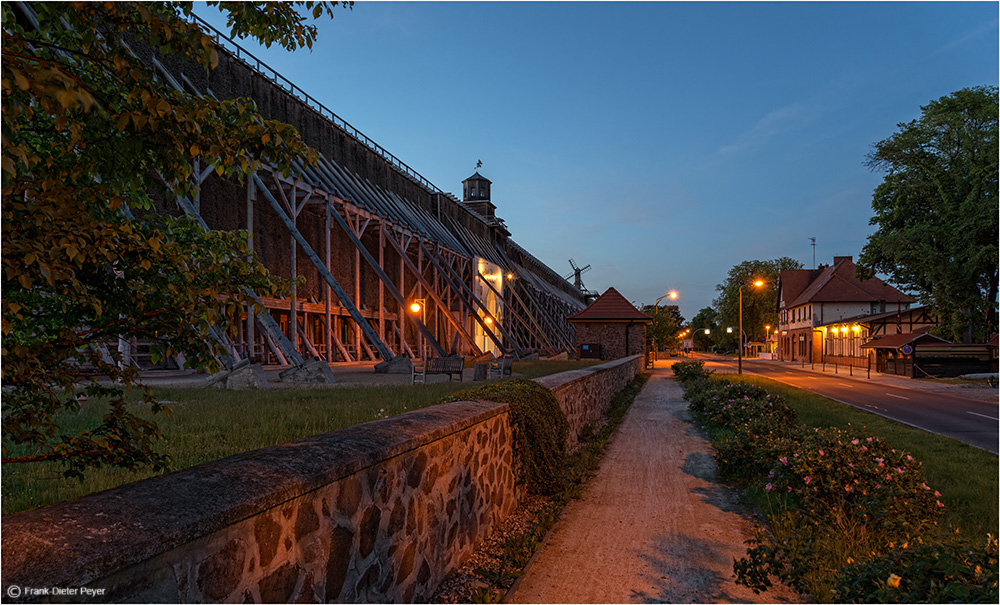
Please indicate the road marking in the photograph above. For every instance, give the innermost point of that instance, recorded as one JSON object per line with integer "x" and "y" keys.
{"x": 983, "y": 416}
{"x": 844, "y": 384}
{"x": 896, "y": 396}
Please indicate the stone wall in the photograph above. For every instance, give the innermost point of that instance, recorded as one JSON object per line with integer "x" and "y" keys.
{"x": 379, "y": 512}
{"x": 584, "y": 395}
{"x": 612, "y": 335}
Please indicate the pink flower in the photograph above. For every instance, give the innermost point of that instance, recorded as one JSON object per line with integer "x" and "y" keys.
{"x": 856, "y": 441}
{"x": 939, "y": 503}
{"x": 769, "y": 487}
{"x": 783, "y": 460}
{"x": 864, "y": 448}
{"x": 937, "y": 494}
{"x": 821, "y": 452}
{"x": 807, "y": 480}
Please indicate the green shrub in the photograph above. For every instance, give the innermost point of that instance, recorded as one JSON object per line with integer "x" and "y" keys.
{"x": 837, "y": 475}
{"x": 835, "y": 499}
{"x": 540, "y": 430}
{"x": 946, "y": 571}
{"x": 689, "y": 370}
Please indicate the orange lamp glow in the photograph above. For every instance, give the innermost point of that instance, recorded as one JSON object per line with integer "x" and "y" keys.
{"x": 415, "y": 307}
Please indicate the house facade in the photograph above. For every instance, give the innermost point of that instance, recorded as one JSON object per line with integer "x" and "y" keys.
{"x": 821, "y": 312}
{"x": 610, "y": 328}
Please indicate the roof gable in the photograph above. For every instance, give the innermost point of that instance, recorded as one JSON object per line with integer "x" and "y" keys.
{"x": 837, "y": 283}
{"x": 611, "y": 306}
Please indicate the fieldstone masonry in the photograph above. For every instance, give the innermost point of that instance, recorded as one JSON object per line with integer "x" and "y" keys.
{"x": 380, "y": 512}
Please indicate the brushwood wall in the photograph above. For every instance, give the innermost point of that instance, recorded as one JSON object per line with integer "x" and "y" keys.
{"x": 379, "y": 512}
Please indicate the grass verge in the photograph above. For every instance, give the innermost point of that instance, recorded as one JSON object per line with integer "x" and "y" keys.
{"x": 207, "y": 424}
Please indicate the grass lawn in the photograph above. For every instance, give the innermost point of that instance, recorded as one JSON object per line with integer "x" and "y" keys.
{"x": 207, "y": 425}
{"x": 966, "y": 476}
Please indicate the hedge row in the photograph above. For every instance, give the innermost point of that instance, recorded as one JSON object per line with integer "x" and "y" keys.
{"x": 851, "y": 519}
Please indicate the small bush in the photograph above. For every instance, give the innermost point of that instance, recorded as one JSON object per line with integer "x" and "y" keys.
{"x": 689, "y": 370}
{"x": 947, "y": 571}
{"x": 838, "y": 475}
{"x": 540, "y": 430}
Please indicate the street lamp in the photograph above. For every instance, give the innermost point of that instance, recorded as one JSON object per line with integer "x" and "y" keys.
{"x": 757, "y": 283}
{"x": 672, "y": 295}
{"x": 419, "y": 305}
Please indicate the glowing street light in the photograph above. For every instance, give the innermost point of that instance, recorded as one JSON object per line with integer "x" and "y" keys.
{"x": 757, "y": 283}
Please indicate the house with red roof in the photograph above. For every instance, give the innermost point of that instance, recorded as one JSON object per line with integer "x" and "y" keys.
{"x": 610, "y": 328}
{"x": 819, "y": 312}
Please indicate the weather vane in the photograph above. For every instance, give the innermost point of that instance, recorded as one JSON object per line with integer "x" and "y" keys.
{"x": 479, "y": 164}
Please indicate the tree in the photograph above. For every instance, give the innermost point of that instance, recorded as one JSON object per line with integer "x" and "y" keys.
{"x": 936, "y": 211}
{"x": 666, "y": 325}
{"x": 705, "y": 318}
{"x": 92, "y": 135}
{"x": 760, "y": 305}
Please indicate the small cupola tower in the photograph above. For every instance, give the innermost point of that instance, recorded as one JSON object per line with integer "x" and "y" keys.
{"x": 476, "y": 195}
{"x": 476, "y": 188}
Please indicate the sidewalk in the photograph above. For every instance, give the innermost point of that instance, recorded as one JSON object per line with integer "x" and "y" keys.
{"x": 653, "y": 526}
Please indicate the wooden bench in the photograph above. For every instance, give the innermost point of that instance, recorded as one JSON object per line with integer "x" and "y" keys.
{"x": 438, "y": 365}
{"x": 501, "y": 367}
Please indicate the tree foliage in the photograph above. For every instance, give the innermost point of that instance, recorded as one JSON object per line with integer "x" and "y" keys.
{"x": 759, "y": 304}
{"x": 705, "y": 318}
{"x": 92, "y": 133}
{"x": 666, "y": 325}
{"x": 936, "y": 211}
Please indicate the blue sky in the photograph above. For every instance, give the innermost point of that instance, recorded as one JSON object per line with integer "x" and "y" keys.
{"x": 659, "y": 142}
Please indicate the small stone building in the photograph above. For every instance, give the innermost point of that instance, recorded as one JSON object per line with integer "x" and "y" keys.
{"x": 610, "y": 328}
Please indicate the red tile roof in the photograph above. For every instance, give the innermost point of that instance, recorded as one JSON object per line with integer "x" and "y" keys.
{"x": 895, "y": 341}
{"x": 611, "y": 306}
{"x": 837, "y": 283}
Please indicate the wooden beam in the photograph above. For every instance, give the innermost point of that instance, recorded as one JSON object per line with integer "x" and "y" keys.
{"x": 345, "y": 300}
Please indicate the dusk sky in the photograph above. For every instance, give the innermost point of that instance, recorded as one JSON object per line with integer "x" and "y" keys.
{"x": 660, "y": 143}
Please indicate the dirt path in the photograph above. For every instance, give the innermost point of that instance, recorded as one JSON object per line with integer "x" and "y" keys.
{"x": 654, "y": 525}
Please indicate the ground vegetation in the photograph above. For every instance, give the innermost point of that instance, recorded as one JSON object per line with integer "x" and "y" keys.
{"x": 851, "y": 516}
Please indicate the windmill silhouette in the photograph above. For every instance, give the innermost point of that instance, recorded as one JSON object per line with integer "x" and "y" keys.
{"x": 577, "y": 280}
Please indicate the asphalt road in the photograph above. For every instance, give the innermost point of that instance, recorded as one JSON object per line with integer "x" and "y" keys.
{"x": 969, "y": 420}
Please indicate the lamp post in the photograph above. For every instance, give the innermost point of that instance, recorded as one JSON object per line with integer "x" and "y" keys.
{"x": 419, "y": 305}
{"x": 757, "y": 283}
{"x": 672, "y": 295}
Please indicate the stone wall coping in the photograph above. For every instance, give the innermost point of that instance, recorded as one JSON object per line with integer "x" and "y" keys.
{"x": 90, "y": 537}
{"x": 555, "y": 382}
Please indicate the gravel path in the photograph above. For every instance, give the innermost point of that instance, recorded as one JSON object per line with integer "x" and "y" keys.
{"x": 653, "y": 526}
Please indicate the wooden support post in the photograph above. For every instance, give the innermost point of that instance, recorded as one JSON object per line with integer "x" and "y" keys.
{"x": 326, "y": 287}
{"x": 421, "y": 283}
{"x": 388, "y": 284}
{"x": 345, "y": 300}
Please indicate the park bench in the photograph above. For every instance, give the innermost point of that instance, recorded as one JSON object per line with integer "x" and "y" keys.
{"x": 501, "y": 367}
{"x": 438, "y": 365}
